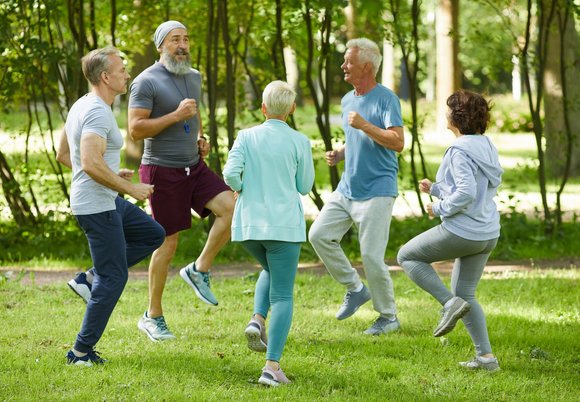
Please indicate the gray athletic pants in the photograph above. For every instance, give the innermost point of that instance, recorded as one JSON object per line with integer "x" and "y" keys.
{"x": 438, "y": 244}
{"x": 372, "y": 218}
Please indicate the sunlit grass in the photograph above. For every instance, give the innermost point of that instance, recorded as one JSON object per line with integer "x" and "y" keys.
{"x": 532, "y": 316}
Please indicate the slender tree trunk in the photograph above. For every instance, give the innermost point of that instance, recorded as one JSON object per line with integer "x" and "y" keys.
{"x": 230, "y": 76}
{"x": 16, "y": 202}
{"x": 320, "y": 103}
{"x": 212, "y": 67}
{"x": 113, "y": 22}
{"x": 544, "y": 19}
{"x": 411, "y": 58}
{"x": 447, "y": 43}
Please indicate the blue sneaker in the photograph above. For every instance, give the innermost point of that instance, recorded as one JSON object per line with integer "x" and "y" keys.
{"x": 87, "y": 360}
{"x": 81, "y": 287}
{"x": 383, "y": 325}
{"x": 200, "y": 282}
{"x": 352, "y": 302}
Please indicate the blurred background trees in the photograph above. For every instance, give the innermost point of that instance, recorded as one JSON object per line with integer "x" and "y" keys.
{"x": 528, "y": 49}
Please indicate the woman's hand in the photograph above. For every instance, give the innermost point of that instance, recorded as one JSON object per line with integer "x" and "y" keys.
{"x": 425, "y": 185}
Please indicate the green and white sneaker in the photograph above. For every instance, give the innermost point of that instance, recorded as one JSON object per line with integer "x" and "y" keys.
{"x": 155, "y": 328}
{"x": 200, "y": 282}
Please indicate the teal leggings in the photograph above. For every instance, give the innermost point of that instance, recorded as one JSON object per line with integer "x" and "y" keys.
{"x": 275, "y": 288}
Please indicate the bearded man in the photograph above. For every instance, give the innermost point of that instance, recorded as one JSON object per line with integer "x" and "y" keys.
{"x": 163, "y": 111}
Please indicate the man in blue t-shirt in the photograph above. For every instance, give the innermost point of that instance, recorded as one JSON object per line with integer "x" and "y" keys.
{"x": 371, "y": 117}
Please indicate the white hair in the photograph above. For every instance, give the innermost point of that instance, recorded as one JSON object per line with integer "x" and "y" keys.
{"x": 368, "y": 52}
{"x": 278, "y": 96}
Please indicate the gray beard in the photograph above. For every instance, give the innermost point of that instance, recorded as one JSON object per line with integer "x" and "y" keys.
{"x": 177, "y": 67}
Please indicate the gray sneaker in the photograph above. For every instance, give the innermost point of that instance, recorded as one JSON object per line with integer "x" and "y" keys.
{"x": 482, "y": 363}
{"x": 450, "y": 316}
{"x": 351, "y": 303}
{"x": 200, "y": 282}
{"x": 383, "y": 325}
{"x": 256, "y": 336}
{"x": 155, "y": 328}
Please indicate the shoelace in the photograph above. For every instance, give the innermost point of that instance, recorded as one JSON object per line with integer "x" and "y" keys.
{"x": 94, "y": 356}
{"x": 206, "y": 278}
{"x": 161, "y": 324}
{"x": 379, "y": 322}
{"x": 346, "y": 298}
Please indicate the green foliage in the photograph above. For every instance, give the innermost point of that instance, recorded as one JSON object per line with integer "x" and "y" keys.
{"x": 58, "y": 242}
{"x": 510, "y": 116}
{"x": 533, "y": 320}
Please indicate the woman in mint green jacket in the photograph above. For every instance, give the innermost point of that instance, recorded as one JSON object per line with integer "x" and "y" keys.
{"x": 268, "y": 167}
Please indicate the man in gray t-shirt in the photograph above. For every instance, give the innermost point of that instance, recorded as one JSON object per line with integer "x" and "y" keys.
{"x": 119, "y": 233}
{"x": 163, "y": 111}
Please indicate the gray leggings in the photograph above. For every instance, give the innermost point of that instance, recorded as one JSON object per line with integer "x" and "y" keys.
{"x": 438, "y": 244}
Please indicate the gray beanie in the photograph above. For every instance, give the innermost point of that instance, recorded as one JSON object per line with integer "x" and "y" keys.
{"x": 163, "y": 29}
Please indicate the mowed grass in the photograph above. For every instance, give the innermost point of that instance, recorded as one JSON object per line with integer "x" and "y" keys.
{"x": 533, "y": 319}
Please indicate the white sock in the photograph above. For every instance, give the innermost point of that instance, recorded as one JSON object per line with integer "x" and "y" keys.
{"x": 486, "y": 359}
{"x": 89, "y": 276}
{"x": 79, "y": 354}
{"x": 359, "y": 288}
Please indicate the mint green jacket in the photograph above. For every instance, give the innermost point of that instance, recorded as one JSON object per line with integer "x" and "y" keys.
{"x": 270, "y": 165}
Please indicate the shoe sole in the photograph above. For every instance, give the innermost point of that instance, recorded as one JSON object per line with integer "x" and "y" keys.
{"x": 186, "y": 278}
{"x": 73, "y": 286}
{"x": 452, "y": 322}
{"x": 81, "y": 363}
{"x": 268, "y": 382}
{"x": 254, "y": 338}
{"x": 344, "y": 317}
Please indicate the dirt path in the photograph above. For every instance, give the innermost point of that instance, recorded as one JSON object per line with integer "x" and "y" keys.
{"x": 45, "y": 277}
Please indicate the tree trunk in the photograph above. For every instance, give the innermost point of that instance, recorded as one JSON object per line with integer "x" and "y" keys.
{"x": 555, "y": 129}
{"x": 447, "y": 43}
{"x": 16, "y": 202}
{"x": 230, "y": 76}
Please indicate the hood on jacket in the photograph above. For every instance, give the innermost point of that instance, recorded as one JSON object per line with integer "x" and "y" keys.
{"x": 483, "y": 153}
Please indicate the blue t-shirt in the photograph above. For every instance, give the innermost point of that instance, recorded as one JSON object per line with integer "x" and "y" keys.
{"x": 370, "y": 170}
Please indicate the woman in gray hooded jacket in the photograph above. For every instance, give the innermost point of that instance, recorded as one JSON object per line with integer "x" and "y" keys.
{"x": 465, "y": 186}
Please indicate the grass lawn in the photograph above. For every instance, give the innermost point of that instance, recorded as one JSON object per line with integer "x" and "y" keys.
{"x": 533, "y": 319}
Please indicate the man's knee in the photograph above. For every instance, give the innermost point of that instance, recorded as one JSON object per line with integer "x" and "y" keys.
{"x": 314, "y": 234}
{"x": 222, "y": 205}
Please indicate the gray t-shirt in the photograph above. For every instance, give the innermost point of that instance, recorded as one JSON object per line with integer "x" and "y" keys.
{"x": 161, "y": 92}
{"x": 90, "y": 114}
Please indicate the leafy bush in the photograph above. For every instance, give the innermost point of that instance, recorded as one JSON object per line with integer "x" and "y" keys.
{"x": 510, "y": 116}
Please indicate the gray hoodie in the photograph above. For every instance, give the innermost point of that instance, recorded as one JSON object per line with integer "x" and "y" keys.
{"x": 467, "y": 182}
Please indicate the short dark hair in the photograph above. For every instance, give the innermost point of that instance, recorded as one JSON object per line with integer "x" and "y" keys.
{"x": 469, "y": 112}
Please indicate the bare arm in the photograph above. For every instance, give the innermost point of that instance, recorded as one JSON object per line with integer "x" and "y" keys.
{"x": 391, "y": 137}
{"x": 63, "y": 151}
{"x": 92, "y": 150}
{"x": 141, "y": 126}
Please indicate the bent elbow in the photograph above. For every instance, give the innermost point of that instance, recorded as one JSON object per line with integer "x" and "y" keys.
{"x": 134, "y": 134}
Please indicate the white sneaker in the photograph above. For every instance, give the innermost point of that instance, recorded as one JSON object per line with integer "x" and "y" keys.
{"x": 482, "y": 363}
{"x": 155, "y": 328}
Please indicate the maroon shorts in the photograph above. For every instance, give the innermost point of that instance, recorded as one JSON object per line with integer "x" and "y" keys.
{"x": 178, "y": 190}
